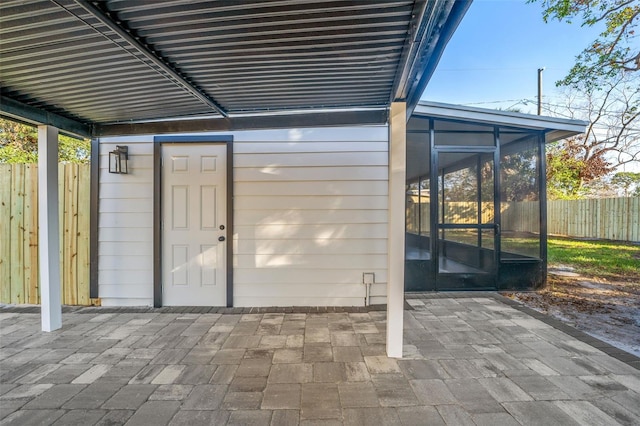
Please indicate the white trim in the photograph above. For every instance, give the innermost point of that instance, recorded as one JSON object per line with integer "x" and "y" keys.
{"x": 395, "y": 263}
{"x": 48, "y": 235}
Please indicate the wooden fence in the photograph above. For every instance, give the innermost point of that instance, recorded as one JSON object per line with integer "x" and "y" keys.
{"x": 19, "y": 233}
{"x": 607, "y": 218}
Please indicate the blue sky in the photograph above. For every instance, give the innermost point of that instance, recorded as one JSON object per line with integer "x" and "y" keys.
{"x": 496, "y": 51}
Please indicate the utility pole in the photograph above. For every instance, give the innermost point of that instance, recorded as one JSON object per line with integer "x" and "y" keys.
{"x": 540, "y": 90}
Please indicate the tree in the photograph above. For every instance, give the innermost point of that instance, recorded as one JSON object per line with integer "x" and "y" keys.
{"x": 19, "y": 144}
{"x": 565, "y": 180}
{"x": 616, "y": 49}
{"x": 628, "y": 182}
{"x": 605, "y": 91}
{"x": 612, "y": 136}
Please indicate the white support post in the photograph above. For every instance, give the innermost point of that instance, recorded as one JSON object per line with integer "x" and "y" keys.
{"x": 48, "y": 232}
{"x": 397, "y": 178}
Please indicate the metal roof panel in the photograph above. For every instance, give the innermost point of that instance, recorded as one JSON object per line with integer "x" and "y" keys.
{"x": 109, "y": 61}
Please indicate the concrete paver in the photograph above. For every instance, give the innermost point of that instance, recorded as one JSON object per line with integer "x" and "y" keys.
{"x": 469, "y": 359}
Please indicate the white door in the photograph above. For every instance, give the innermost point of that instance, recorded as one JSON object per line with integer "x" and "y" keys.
{"x": 194, "y": 224}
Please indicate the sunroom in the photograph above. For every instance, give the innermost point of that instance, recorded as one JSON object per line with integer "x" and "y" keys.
{"x": 475, "y": 198}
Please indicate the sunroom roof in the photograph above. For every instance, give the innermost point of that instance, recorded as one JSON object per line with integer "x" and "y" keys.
{"x": 77, "y": 63}
{"x": 555, "y": 128}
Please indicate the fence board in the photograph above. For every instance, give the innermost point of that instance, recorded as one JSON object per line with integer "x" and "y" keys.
{"x": 70, "y": 234}
{"x": 31, "y": 235}
{"x": 5, "y": 232}
{"x": 19, "y": 233}
{"x": 61, "y": 193}
{"x": 83, "y": 208}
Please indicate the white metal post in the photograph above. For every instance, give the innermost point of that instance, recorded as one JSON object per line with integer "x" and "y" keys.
{"x": 397, "y": 178}
{"x": 48, "y": 232}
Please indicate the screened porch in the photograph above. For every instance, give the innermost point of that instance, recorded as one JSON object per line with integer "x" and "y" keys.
{"x": 475, "y": 200}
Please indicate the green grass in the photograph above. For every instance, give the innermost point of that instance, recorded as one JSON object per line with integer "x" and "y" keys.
{"x": 597, "y": 258}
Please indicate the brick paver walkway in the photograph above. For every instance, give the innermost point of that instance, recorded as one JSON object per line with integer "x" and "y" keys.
{"x": 467, "y": 361}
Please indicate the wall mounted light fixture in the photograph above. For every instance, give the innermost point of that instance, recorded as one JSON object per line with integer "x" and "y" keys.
{"x": 118, "y": 160}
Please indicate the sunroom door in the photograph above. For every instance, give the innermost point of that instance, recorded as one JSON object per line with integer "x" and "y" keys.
{"x": 467, "y": 234}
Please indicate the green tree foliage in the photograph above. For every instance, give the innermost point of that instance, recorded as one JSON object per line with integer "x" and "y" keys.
{"x": 19, "y": 144}
{"x": 616, "y": 49}
{"x": 628, "y": 182}
{"x": 565, "y": 173}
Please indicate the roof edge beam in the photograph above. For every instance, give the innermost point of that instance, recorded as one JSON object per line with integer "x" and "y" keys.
{"x": 319, "y": 119}
{"x": 22, "y": 112}
{"x": 424, "y": 47}
{"x": 409, "y": 52}
{"x": 148, "y": 54}
{"x": 432, "y": 53}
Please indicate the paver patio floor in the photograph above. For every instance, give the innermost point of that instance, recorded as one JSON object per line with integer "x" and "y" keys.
{"x": 466, "y": 361}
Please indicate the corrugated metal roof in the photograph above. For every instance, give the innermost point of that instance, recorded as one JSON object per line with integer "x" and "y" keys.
{"x": 122, "y": 60}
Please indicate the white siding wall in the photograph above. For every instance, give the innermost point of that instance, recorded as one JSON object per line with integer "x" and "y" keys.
{"x": 125, "y": 235}
{"x": 310, "y": 218}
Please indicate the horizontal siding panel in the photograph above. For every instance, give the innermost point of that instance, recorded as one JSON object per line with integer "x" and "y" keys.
{"x": 353, "y": 261}
{"x": 136, "y": 205}
{"x": 124, "y": 262}
{"x": 128, "y": 249}
{"x": 306, "y": 276}
{"x": 125, "y": 190}
{"x": 379, "y": 288}
{"x": 296, "y": 301}
{"x": 378, "y": 300}
{"x": 323, "y": 134}
{"x": 269, "y": 174}
{"x": 280, "y": 232}
{"x": 312, "y": 188}
{"x": 126, "y": 278}
{"x": 325, "y": 159}
{"x": 126, "y": 235}
{"x": 136, "y": 164}
{"x": 134, "y": 176}
{"x": 305, "y": 147}
{"x": 301, "y": 217}
{"x": 301, "y": 290}
{"x": 130, "y": 291}
{"x": 301, "y": 202}
{"x": 312, "y": 247}
{"x": 125, "y": 220}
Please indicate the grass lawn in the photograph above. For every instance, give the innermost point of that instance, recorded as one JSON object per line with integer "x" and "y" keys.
{"x": 613, "y": 260}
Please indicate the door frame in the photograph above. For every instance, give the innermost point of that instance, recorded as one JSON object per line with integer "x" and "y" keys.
{"x": 491, "y": 278}
{"x": 157, "y": 208}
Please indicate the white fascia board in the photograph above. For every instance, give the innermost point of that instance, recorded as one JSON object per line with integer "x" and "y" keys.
{"x": 556, "y": 128}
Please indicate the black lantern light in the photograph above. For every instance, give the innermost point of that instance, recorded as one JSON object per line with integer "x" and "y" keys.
{"x": 118, "y": 160}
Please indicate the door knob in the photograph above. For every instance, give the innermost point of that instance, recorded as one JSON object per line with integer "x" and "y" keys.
{"x": 221, "y": 238}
